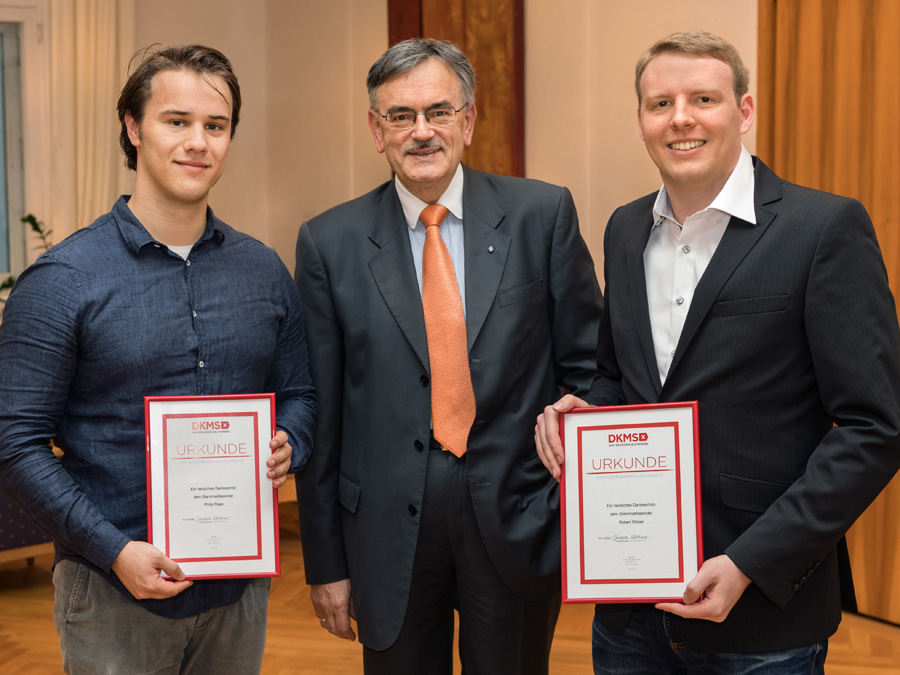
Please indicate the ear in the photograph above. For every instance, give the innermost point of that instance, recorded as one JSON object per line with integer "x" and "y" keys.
{"x": 747, "y": 110}
{"x": 377, "y": 131}
{"x": 134, "y": 130}
{"x": 640, "y": 125}
{"x": 469, "y": 122}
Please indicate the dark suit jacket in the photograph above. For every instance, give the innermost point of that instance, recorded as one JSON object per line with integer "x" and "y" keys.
{"x": 792, "y": 329}
{"x": 532, "y": 310}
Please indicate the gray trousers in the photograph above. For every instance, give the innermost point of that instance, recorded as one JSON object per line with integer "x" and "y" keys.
{"x": 102, "y": 631}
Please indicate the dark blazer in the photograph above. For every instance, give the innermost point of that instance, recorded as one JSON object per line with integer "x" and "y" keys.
{"x": 532, "y": 310}
{"x": 792, "y": 330}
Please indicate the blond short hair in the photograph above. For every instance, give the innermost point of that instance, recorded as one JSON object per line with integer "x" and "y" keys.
{"x": 697, "y": 43}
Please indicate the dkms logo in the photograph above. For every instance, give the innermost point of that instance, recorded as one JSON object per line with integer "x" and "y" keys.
{"x": 628, "y": 438}
{"x": 206, "y": 426}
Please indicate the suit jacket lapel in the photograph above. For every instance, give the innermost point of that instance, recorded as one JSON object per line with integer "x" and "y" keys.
{"x": 486, "y": 249}
{"x": 739, "y": 238}
{"x": 637, "y": 281}
{"x": 395, "y": 274}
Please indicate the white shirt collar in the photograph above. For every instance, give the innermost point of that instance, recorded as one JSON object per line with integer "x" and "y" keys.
{"x": 734, "y": 199}
{"x": 452, "y": 199}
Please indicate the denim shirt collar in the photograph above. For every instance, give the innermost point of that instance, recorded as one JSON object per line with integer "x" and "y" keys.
{"x": 136, "y": 236}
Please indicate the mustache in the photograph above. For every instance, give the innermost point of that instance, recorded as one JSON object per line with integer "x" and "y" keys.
{"x": 430, "y": 144}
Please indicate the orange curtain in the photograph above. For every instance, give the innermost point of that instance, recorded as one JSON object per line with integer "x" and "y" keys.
{"x": 828, "y": 101}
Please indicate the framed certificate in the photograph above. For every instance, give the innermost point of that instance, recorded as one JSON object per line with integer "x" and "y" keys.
{"x": 630, "y": 488}
{"x": 210, "y": 506}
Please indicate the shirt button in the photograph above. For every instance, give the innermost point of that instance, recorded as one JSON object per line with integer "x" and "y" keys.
{"x": 679, "y": 300}
{"x": 686, "y": 248}
{"x": 423, "y": 380}
{"x": 194, "y": 314}
{"x": 187, "y": 262}
{"x": 412, "y": 510}
{"x": 202, "y": 364}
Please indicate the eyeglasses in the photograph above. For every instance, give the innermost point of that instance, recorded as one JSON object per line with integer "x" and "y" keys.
{"x": 436, "y": 117}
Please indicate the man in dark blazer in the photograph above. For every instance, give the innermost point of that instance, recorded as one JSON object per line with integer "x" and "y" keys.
{"x": 769, "y": 304}
{"x": 398, "y": 532}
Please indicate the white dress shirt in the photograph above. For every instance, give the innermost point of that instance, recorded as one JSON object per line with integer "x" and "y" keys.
{"x": 451, "y": 228}
{"x": 677, "y": 255}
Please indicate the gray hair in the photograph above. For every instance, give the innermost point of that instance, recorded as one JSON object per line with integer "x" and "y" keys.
{"x": 406, "y": 55}
{"x": 697, "y": 43}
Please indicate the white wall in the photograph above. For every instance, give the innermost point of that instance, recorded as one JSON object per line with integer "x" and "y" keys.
{"x": 321, "y": 150}
{"x": 302, "y": 144}
{"x": 581, "y": 108}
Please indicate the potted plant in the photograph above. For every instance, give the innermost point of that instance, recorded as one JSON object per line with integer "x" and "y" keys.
{"x": 43, "y": 233}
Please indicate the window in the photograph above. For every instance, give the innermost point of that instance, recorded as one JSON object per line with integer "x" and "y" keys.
{"x": 12, "y": 207}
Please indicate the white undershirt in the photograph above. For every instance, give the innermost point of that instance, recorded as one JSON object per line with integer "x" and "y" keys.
{"x": 677, "y": 255}
{"x": 182, "y": 251}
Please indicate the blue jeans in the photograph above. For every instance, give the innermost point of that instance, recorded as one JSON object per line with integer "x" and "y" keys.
{"x": 102, "y": 631}
{"x": 648, "y": 647}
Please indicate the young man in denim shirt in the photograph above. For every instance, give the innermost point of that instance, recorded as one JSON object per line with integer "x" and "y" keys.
{"x": 157, "y": 297}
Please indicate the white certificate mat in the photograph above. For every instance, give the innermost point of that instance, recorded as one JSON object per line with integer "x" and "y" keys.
{"x": 210, "y": 506}
{"x": 631, "y": 526}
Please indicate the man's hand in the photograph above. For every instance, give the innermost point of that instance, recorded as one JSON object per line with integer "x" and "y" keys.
{"x": 334, "y": 607}
{"x": 546, "y": 433}
{"x": 138, "y": 566}
{"x": 280, "y": 461}
{"x": 712, "y": 593}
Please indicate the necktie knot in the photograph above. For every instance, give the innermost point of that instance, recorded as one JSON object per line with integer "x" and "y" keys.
{"x": 433, "y": 214}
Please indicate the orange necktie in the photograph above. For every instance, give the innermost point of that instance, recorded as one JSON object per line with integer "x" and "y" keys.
{"x": 452, "y": 397}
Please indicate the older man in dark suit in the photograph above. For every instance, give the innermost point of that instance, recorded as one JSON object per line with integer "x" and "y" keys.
{"x": 769, "y": 304}
{"x": 432, "y": 353}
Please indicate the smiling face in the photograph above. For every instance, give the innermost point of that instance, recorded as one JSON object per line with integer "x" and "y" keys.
{"x": 692, "y": 125}
{"x": 423, "y": 157}
{"x": 182, "y": 140}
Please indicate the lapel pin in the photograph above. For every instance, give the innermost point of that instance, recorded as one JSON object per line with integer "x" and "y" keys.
{"x": 490, "y": 249}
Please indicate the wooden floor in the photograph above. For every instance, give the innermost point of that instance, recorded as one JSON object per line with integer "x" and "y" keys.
{"x": 296, "y": 644}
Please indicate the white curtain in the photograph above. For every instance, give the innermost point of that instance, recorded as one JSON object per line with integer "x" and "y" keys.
{"x": 91, "y": 43}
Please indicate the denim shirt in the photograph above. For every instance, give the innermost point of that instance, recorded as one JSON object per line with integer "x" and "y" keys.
{"x": 107, "y": 317}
